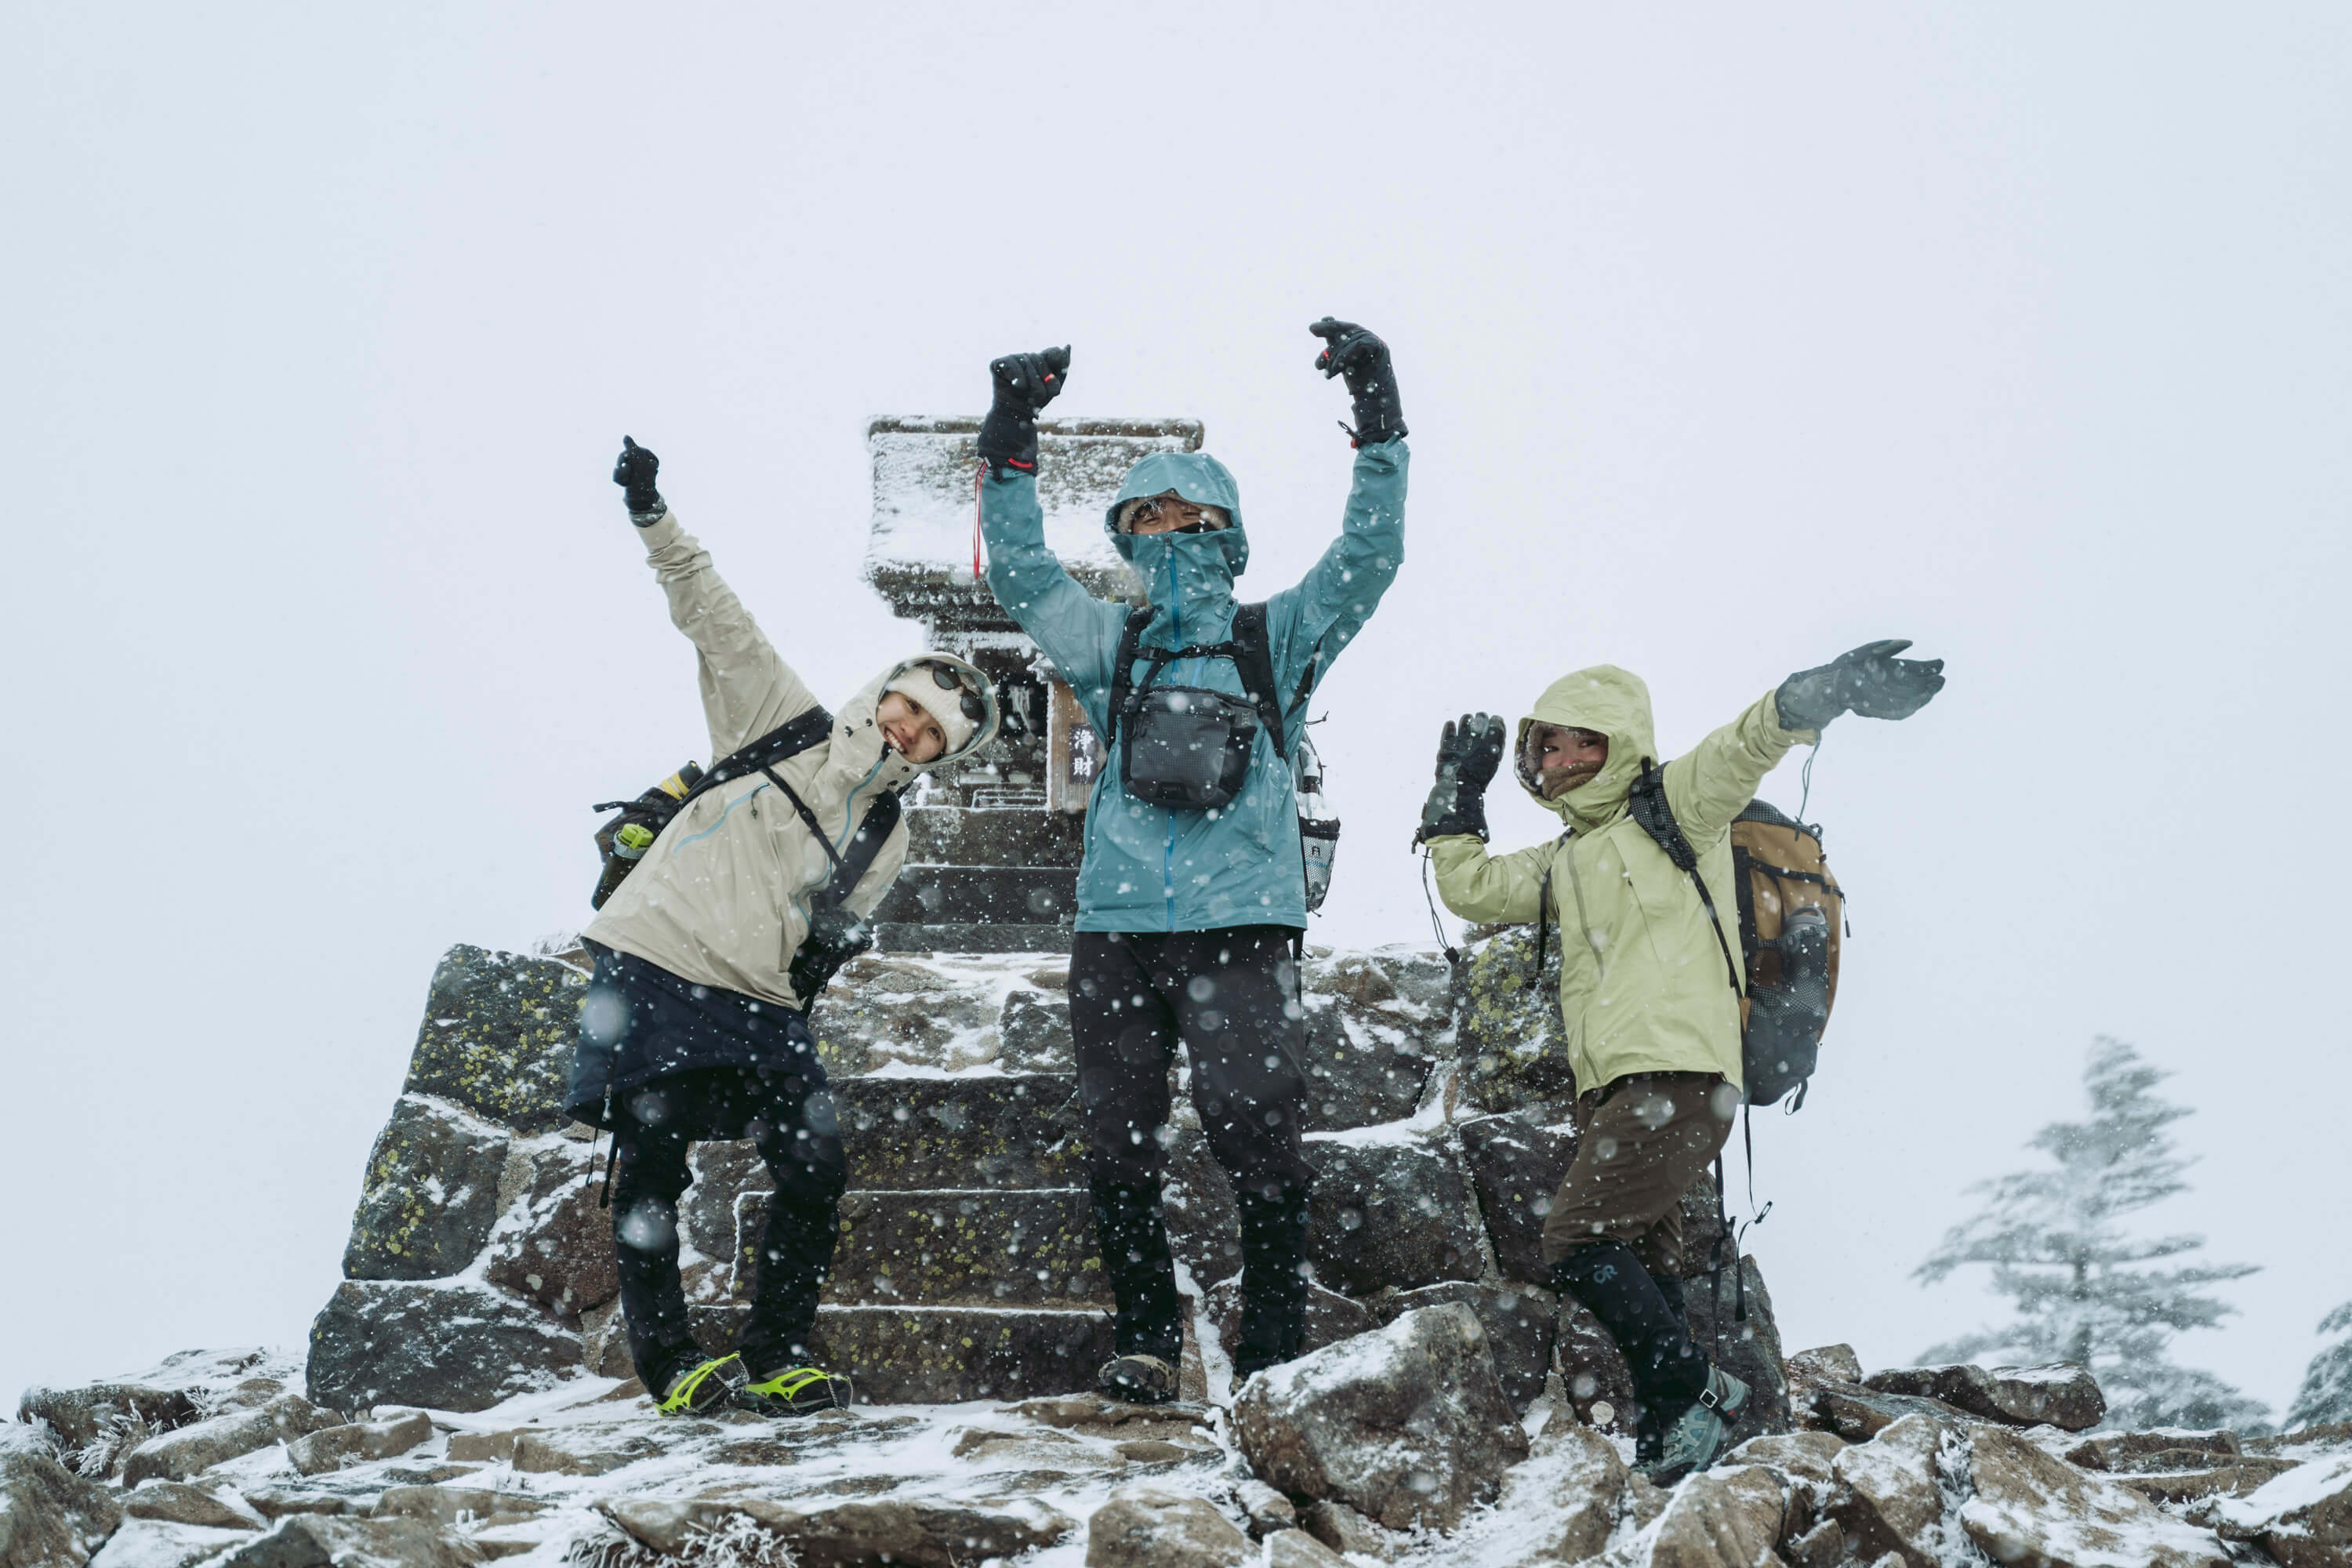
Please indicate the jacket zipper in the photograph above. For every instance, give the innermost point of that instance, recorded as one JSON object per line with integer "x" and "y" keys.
{"x": 1168, "y": 855}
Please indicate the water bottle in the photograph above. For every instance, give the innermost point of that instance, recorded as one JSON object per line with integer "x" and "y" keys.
{"x": 1318, "y": 830}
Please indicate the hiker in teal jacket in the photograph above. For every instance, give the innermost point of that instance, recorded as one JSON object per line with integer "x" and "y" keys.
{"x": 1187, "y": 917}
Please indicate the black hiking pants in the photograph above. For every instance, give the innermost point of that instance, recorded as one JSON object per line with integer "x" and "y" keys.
{"x": 792, "y": 1124}
{"x": 1231, "y": 997}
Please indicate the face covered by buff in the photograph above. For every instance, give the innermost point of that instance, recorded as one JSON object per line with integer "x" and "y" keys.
{"x": 1556, "y": 758}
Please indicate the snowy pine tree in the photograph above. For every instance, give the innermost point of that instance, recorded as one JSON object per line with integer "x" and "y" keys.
{"x": 2326, "y": 1391}
{"x": 2055, "y": 1244}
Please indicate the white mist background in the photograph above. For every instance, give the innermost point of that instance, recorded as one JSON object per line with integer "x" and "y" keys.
{"x": 1729, "y": 340}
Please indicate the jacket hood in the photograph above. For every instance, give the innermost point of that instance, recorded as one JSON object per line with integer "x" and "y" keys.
{"x": 1199, "y": 478}
{"x": 1609, "y": 701}
{"x": 858, "y": 713}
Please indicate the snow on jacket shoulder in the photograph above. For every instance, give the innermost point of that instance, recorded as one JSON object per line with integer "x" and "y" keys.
{"x": 721, "y": 897}
{"x": 1643, "y": 982}
{"x": 1158, "y": 868}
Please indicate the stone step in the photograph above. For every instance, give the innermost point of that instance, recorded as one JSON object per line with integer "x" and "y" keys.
{"x": 914, "y": 1133}
{"x": 912, "y": 936}
{"x": 959, "y": 835}
{"x": 981, "y": 895}
{"x": 967, "y": 1246}
{"x": 940, "y": 1355}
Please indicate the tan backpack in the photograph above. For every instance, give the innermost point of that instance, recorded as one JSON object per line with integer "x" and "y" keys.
{"x": 1792, "y": 920}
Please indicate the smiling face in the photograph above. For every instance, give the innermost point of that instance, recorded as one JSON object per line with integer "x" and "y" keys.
{"x": 1163, "y": 513}
{"x": 907, "y": 730}
{"x": 1564, "y": 758}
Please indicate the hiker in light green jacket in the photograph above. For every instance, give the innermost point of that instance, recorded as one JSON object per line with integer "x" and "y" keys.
{"x": 1647, "y": 992}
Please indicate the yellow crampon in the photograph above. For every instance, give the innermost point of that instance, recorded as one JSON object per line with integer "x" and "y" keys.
{"x": 705, "y": 1387}
{"x": 796, "y": 1391}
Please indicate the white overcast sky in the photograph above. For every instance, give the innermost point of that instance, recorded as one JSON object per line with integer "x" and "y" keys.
{"x": 1729, "y": 339}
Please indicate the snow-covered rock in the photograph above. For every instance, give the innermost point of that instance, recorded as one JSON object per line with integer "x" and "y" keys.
{"x": 48, "y": 1515}
{"x": 1407, "y": 1424}
{"x": 1724, "y": 1518}
{"x": 190, "y": 1450}
{"x": 2024, "y": 1506}
{"x": 1516, "y": 1165}
{"x": 177, "y": 1502}
{"x": 497, "y": 1036}
{"x": 2302, "y": 1517}
{"x": 1392, "y": 1210}
{"x": 1890, "y": 1493}
{"x": 438, "y": 1344}
{"x": 430, "y": 1195}
{"x": 1297, "y": 1549}
{"x": 1149, "y": 1527}
{"x": 553, "y": 1245}
{"x": 2058, "y": 1394}
{"x": 1519, "y": 1320}
{"x": 96, "y": 1425}
{"x": 332, "y": 1447}
{"x": 315, "y": 1541}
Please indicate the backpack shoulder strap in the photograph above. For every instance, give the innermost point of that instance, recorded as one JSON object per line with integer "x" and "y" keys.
{"x": 1646, "y": 803}
{"x": 1254, "y": 660}
{"x": 1122, "y": 665}
{"x": 874, "y": 829}
{"x": 789, "y": 739}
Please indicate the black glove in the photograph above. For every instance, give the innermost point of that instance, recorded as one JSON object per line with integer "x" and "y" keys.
{"x": 1468, "y": 753}
{"x": 1870, "y": 681}
{"x": 1024, "y": 385}
{"x": 1363, "y": 359}
{"x": 635, "y": 474}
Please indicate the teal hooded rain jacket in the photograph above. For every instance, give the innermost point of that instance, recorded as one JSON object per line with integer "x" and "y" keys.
{"x": 1158, "y": 869}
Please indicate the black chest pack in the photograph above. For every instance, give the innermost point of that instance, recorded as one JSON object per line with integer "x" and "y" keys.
{"x": 1188, "y": 747}
{"x": 834, "y": 934}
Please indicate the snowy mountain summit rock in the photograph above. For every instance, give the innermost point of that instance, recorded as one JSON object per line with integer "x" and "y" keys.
{"x": 466, "y": 1395}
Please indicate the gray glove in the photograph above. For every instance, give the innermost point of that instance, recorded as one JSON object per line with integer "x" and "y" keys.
{"x": 1467, "y": 756}
{"x": 1870, "y": 681}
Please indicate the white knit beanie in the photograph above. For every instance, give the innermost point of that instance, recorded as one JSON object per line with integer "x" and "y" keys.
{"x": 944, "y": 703}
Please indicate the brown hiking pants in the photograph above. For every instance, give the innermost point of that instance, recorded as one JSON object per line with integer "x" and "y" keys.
{"x": 1641, "y": 1142}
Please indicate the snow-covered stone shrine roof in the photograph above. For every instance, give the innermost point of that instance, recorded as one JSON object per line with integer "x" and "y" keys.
{"x": 918, "y": 553}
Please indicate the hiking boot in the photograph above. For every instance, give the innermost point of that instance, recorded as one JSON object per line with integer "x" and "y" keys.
{"x": 1697, "y": 1437}
{"x": 1138, "y": 1379}
{"x": 699, "y": 1390}
{"x": 795, "y": 1390}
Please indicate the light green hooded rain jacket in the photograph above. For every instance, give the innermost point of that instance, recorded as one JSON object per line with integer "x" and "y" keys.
{"x": 1643, "y": 982}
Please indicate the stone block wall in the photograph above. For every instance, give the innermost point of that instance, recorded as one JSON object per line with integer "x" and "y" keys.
{"x": 480, "y": 1263}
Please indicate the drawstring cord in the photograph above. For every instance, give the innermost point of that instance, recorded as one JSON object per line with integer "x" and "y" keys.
{"x": 1453, "y": 953}
{"x": 977, "y": 475}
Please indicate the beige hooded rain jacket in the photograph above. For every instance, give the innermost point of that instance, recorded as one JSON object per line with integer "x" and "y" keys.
{"x": 721, "y": 897}
{"x": 1642, "y": 984}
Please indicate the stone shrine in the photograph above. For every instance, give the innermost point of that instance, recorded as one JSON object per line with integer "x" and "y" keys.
{"x": 992, "y": 860}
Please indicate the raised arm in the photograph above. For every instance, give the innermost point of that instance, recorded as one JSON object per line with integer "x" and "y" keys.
{"x": 1077, "y": 631}
{"x": 1474, "y": 884}
{"x": 1330, "y": 604}
{"x": 1716, "y": 780}
{"x": 747, "y": 688}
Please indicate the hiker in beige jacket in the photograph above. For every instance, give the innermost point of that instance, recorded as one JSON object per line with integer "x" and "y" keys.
{"x": 709, "y": 954}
